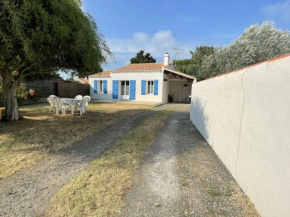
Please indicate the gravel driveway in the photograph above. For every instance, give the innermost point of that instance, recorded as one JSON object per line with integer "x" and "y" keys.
{"x": 27, "y": 192}
{"x": 182, "y": 176}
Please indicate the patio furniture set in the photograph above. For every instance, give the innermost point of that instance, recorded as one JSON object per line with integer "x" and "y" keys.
{"x": 72, "y": 104}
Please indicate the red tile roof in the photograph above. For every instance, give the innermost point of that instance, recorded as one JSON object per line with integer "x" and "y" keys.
{"x": 247, "y": 67}
{"x": 104, "y": 74}
{"x": 84, "y": 80}
{"x": 141, "y": 67}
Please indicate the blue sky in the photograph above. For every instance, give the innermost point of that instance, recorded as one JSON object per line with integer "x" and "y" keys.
{"x": 157, "y": 26}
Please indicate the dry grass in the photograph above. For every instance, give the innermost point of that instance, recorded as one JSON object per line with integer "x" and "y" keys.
{"x": 98, "y": 191}
{"x": 24, "y": 143}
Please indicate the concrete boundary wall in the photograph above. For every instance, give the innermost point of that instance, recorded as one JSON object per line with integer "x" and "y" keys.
{"x": 245, "y": 117}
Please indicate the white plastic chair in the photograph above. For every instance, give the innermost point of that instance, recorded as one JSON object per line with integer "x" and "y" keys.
{"x": 59, "y": 104}
{"x": 79, "y": 97}
{"x": 87, "y": 104}
{"x": 51, "y": 101}
{"x": 81, "y": 105}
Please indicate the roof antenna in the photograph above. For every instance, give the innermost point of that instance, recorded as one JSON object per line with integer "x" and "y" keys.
{"x": 177, "y": 51}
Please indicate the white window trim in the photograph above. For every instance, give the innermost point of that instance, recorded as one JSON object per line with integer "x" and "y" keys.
{"x": 125, "y": 88}
{"x": 152, "y": 88}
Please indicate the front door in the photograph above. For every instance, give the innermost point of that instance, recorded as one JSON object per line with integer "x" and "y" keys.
{"x": 125, "y": 87}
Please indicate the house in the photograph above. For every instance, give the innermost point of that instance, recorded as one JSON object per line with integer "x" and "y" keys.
{"x": 81, "y": 80}
{"x": 148, "y": 82}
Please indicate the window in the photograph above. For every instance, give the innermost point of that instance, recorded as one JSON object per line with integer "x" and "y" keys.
{"x": 101, "y": 86}
{"x": 124, "y": 88}
{"x": 150, "y": 85}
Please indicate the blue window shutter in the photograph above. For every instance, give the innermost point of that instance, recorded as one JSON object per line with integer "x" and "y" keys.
{"x": 155, "y": 87}
{"x": 95, "y": 86}
{"x": 115, "y": 89}
{"x": 105, "y": 86}
{"x": 143, "y": 87}
{"x": 132, "y": 89}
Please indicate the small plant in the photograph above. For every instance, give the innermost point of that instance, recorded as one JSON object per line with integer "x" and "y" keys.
{"x": 2, "y": 98}
{"x": 21, "y": 93}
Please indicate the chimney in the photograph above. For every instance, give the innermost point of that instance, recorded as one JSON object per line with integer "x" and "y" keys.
{"x": 166, "y": 59}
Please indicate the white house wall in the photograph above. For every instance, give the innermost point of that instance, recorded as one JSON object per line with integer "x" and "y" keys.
{"x": 166, "y": 87}
{"x": 138, "y": 77}
{"x": 101, "y": 96}
{"x": 245, "y": 117}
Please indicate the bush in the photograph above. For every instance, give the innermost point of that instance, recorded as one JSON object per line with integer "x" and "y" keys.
{"x": 257, "y": 44}
{"x": 2, "y": 98}
{"x": 21, "y": 93}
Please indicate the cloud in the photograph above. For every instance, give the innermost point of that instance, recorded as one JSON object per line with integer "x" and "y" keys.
{"x": 279, "y": 10}
{"x": 158, "y": 44}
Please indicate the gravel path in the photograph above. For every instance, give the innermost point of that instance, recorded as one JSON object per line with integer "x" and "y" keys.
{"x": 182, "y": 176}
{"x": 27, "y": 192}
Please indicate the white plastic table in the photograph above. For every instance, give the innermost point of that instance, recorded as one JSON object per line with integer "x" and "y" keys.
{"x": 71, "y": 103}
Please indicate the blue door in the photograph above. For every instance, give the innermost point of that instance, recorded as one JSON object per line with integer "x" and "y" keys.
{"x": 115, "y": 89}
{"x": 156, "y": 87}
{"x": 105, "y": 86}
{"x": 143, "y": 87}
{"x": 132, "y": 89}
{"x": 95, "y": 86}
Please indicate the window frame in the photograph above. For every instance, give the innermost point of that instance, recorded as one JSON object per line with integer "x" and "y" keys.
{"x": 126, "y": 88}
{"x": 101, "y": 84}
{"x": 149, "y": 87}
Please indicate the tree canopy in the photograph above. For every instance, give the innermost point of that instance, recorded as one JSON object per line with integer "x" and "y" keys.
{"x": 46, "y": 36}
{"x": 256, "y": 44}
{"x": 141, "y": 57}
{"x": 193, "y": 66}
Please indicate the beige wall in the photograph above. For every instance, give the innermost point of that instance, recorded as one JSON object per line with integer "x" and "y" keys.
{"x": 180, "y": 91}
{"x": 245, "y": 117}
{"x": 166, "y": 88}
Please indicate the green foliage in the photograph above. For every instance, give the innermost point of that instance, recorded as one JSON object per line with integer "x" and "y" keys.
{"x": 43, "y": 76}
{"x": 193, "y": 66}
{"x": 45, "y": 36}
{"x": 21, "y": 93}
{"x": 2, "y": 96}
{"x": 141, "y": 57}
{"x": 257, "y": 44}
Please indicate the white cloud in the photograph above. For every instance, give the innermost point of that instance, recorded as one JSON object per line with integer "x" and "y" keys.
{"x": 279, "y": 10}
{"x": 158, "y": 44}
{"x": 163, "y": 40}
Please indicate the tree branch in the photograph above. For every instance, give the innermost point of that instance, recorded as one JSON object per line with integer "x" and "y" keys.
{"x": 22, "y": 63}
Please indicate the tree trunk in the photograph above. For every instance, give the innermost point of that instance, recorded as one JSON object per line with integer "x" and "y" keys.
{"x": 11, "y": 106}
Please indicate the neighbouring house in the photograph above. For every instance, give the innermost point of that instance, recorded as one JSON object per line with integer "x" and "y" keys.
{"x": 148, "y": 82}
{"x": 81, "y": 80}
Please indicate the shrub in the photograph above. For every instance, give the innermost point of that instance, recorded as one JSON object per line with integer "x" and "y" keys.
{"x": 257, "y": 44}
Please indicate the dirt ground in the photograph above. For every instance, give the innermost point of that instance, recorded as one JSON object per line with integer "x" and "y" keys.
{"x": 179, "y": 176}
{"x": 27, "y": 192}
{"x": 182, "y": 176}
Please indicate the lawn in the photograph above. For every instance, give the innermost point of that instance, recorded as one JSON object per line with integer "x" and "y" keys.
{"x": 26, "y": 142}
{"x": 99, "y": 190}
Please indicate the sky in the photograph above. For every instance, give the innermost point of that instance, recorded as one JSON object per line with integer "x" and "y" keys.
{"x": 158, "y": 26}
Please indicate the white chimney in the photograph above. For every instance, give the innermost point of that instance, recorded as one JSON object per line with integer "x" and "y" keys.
{"x": 166, "y": 59}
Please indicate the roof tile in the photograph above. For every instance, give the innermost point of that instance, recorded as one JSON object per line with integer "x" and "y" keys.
{"x": 104, "y": 74}
{"x": 139, "y": 67}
